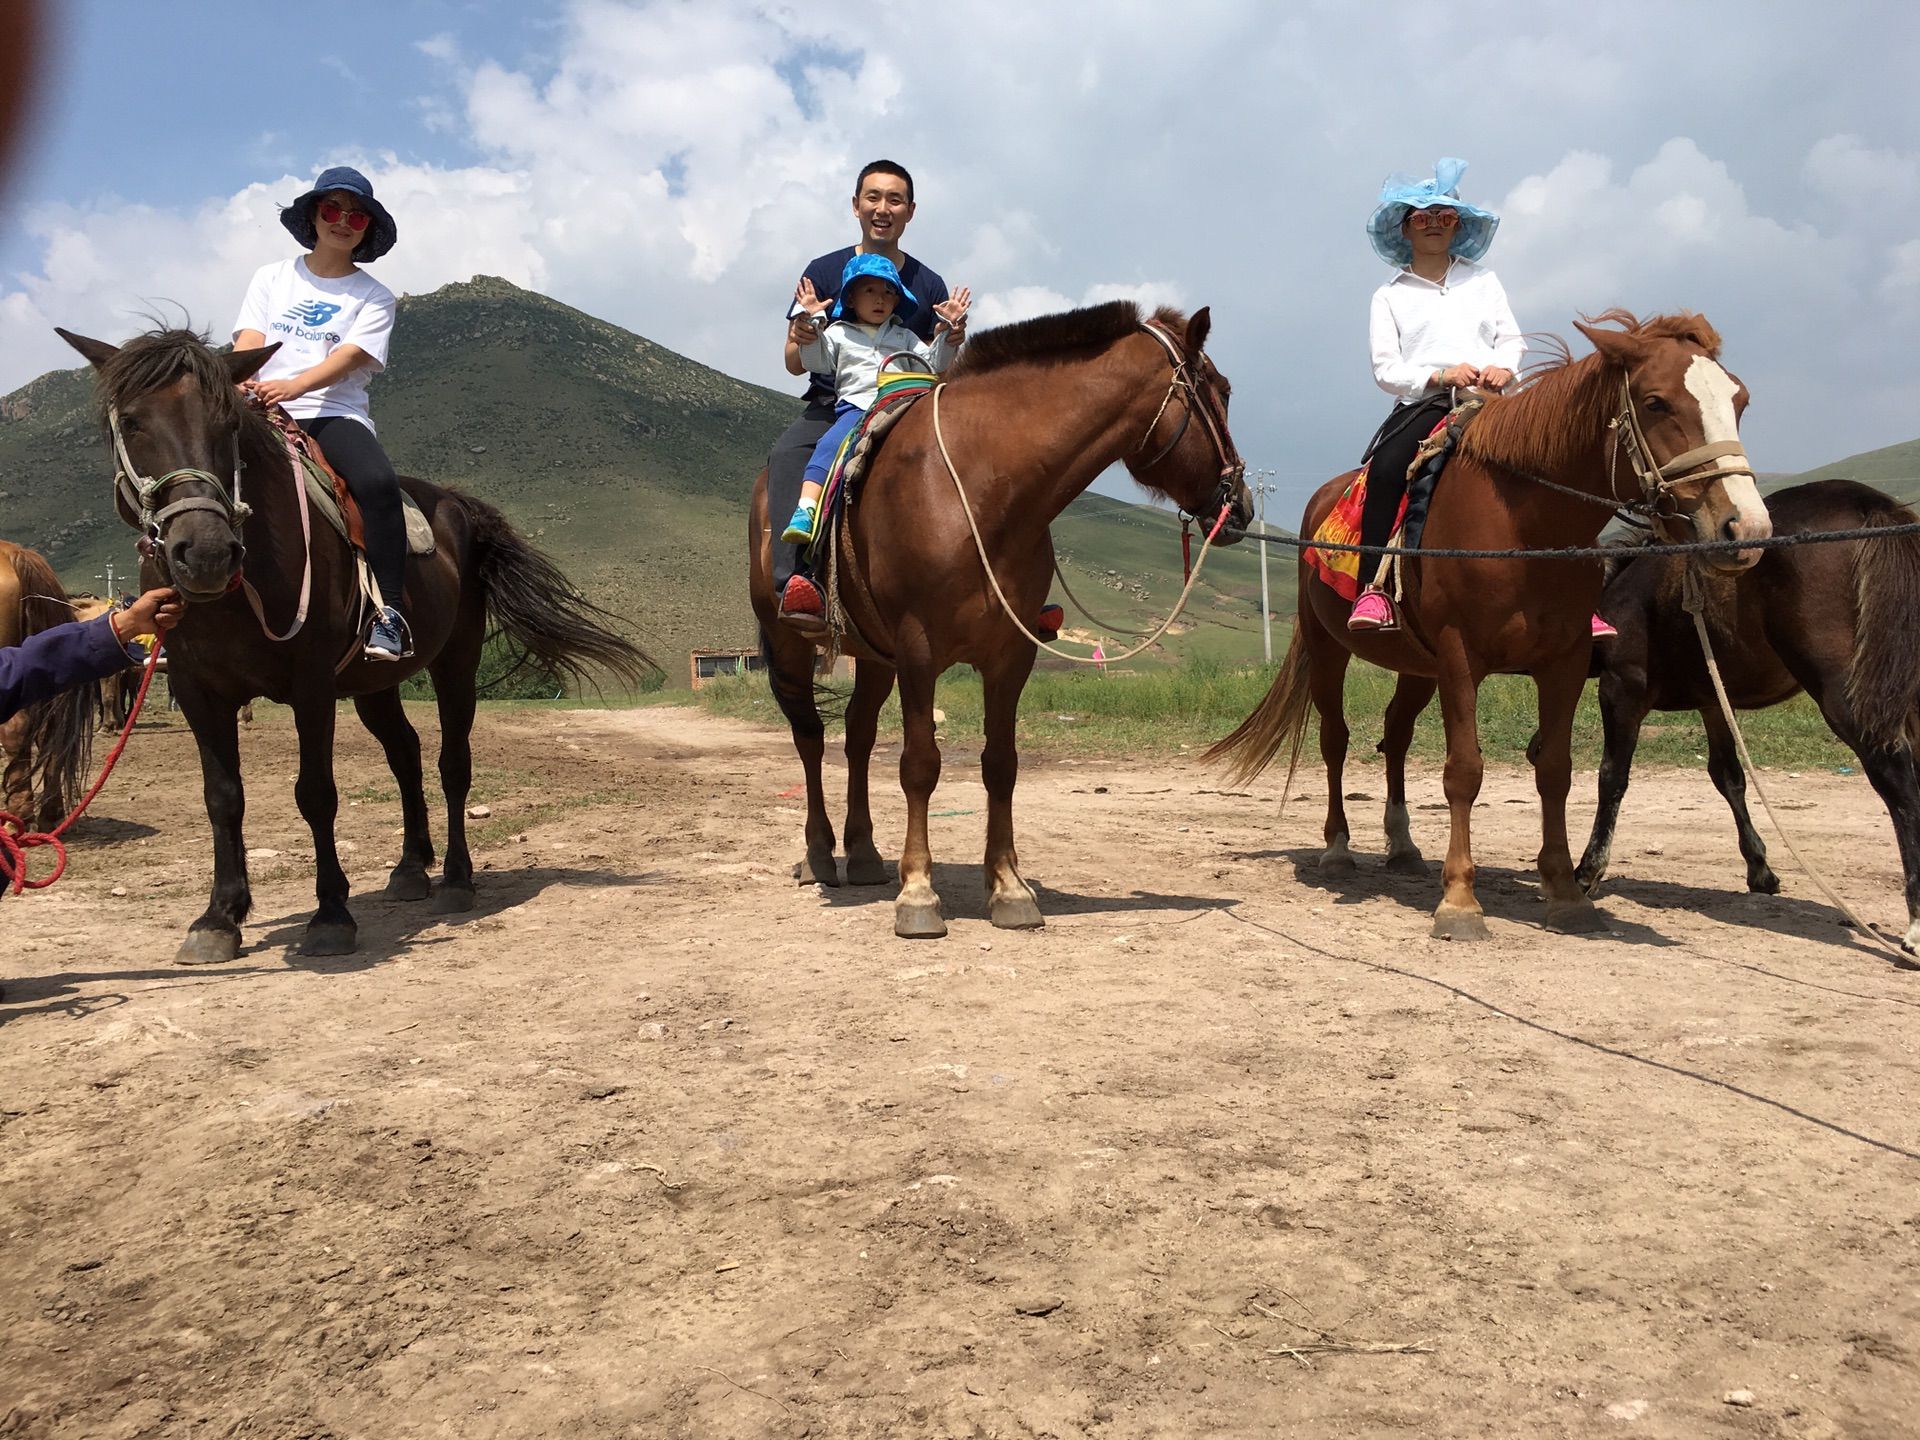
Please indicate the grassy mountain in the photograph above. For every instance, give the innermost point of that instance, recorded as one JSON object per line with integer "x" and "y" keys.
{"x": 1893, "y": 468}
{"x": 629, "y": 463}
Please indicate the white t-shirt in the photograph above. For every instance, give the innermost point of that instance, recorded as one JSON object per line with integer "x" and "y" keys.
{"x": 310, "y": 314}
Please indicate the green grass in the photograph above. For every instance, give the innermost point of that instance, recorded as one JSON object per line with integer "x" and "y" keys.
{"x": 1161, "y": 713}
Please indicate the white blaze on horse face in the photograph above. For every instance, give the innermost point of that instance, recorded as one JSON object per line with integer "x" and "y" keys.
{"x": 1713, "y": 389}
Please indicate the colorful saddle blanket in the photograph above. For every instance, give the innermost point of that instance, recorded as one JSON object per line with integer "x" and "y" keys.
{"x": 1346, "y": 571}
{"x": 896, "y": 397}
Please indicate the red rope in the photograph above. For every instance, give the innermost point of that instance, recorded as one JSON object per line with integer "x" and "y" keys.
{"x": 16, "y": 839}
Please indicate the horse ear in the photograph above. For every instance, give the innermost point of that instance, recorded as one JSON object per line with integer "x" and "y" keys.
{"x": 241, "y": 364}
{"x": 1198, "y": 325}
{"x": 97, "y": 352}
{"x": 1616, "y": 347}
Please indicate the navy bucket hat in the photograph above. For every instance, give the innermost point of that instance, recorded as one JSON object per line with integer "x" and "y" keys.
{"x": 381, "y": 231}
{"x": 880, "y": 268}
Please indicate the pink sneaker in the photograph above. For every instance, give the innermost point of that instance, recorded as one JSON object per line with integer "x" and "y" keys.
{"x": 1373, "y": 611}
{"x": 1601, "y": 629}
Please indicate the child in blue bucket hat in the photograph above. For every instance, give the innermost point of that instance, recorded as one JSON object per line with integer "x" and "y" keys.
{"x": 857, "y": 340}
{"x": 332, "y": 321}
{"x": 1441, "y": 323}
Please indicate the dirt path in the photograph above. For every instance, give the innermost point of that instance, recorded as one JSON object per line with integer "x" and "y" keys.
{"x": 660, "y": 1144}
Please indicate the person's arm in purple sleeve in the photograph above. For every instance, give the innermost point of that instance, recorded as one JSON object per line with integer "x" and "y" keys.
{"x": 80, "y": 652}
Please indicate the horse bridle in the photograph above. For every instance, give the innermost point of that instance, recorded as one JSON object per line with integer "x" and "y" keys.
{"x": 1196, "y": 399}
{"x": 137, "y": 492}
{"x": 1658, "y": 482}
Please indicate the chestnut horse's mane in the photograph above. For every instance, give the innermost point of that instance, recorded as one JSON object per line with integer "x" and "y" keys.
{"x": 1070, "y": 335}
{"x": 1550, "y": 422}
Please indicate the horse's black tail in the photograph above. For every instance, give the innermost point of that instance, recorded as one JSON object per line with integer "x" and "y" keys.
{"x": 1883, "y": 682}
{"x": 60, "y": 730}
{"x": 527, "y": 597}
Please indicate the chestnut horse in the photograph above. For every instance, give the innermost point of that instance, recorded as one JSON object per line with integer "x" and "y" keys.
{"x": 45, "y": 749}
{"x": 1651, "y": 403}
{"x": 184, "y": 441}
{"x": 1031, "y": 414}
{"x": 1835, "y": 620}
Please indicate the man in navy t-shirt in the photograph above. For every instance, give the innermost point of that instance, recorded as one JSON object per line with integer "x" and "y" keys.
{"x": 882, "y": 204}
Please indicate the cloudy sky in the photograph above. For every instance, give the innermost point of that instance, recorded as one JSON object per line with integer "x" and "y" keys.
{"x": 672, "y": 166}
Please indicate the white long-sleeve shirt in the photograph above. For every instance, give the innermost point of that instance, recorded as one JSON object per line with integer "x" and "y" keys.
{"x": 1419, "y": 327}
{"x": 853, "y": 355}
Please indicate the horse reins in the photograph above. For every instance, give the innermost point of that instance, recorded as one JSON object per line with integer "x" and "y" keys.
{"x": 1231, "y": 468}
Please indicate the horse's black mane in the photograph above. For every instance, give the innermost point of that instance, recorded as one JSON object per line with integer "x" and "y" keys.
{"x": 1055, "y": 338}
{"x": 147, "y": 362}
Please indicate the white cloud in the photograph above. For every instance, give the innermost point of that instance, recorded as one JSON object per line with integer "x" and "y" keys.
{"x": 672, "y": 166}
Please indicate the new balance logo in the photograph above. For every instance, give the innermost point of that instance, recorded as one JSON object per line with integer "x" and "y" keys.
{"x": 314, "y": 313}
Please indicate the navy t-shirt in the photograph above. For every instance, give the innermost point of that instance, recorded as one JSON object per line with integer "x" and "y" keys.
{"x": 927, "y": 287}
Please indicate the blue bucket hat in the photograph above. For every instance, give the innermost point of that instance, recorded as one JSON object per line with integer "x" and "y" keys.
{"x": 880, "y": 268}
{"x": 1403, "y": 193}
{"x": 381, "y": 231}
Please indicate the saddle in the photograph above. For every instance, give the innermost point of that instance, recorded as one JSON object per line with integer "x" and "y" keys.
{"x": 328, "y": 493}
{"x": 857, "y": 452}
{"x": 1342, "y": 570}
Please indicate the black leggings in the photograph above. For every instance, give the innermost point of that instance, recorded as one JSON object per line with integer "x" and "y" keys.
{"x": 1391, "y": 453}
{"x": 353, "y": 450}
{"x": 786, "y": 470}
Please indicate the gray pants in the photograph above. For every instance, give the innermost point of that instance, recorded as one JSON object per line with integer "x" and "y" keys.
{"x": 786, "y": 470}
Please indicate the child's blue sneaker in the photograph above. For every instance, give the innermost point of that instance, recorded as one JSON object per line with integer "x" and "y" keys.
{"x": 799, "y": 529}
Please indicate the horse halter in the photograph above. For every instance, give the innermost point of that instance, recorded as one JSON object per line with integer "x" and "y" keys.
{"x": 1658, "y": 482}
{"x": 1196, "y": 400}
{"x": 138, "y": 492}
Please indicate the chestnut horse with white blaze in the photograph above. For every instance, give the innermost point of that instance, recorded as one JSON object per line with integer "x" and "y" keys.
{"x": 1031, "y": 414}
{"x": 1651, "y": 405}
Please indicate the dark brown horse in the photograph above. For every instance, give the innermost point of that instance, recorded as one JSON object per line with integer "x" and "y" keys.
{"x": 1837, "y": 620}
{"x": 189, "y": 445}
{"x": 1650, "y": 403}
{"x": 45, "y": 750}
{"x": 1031, "y": 415}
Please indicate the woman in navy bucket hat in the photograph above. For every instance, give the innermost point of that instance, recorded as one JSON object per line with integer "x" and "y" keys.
{"x": 332, "y": 321}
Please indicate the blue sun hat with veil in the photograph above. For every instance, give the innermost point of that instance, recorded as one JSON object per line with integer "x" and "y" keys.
{"x": 1403, "y": 193}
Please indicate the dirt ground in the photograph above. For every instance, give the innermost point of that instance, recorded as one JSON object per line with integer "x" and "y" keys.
{"x": 659, "y": 1143}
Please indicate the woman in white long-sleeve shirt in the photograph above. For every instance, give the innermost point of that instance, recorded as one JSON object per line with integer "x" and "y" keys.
{"x": 1440, "y": 323}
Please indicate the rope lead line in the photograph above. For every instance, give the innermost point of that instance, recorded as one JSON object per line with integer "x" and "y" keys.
{"x": 1595, "y": 552}
{"x": 1695, "y": 602}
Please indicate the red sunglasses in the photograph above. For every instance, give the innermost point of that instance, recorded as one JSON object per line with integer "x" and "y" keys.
{"x": 332, "y": 212}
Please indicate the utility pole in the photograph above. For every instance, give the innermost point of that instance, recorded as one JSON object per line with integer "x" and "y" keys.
{"x": 1262, "y": 485}
{"x": 108, "y": 577}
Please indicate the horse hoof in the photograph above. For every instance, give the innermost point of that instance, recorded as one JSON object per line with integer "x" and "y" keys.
{"x": 1407, "y": 862}
{"x": 1574, "y": 917}
{"x": 1765, "y": 883}
{"x": 332, "y": 937}
{"x": 1456, "y": 922}
{"x": 918, "y": 920}
{"x": 408, "y": 882}
{"x": 1337, "y": 862}
{"x": 453, "y": 899}
{"x": 865, "y": 867}
{"x": 819, "y": 868}
{"x": 208, "y": 947}
{"x": 1016, "y": 912}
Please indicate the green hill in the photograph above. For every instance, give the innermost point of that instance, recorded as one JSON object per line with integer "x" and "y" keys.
{"x": 629, "y": 463}
{"x": 1892, "y": 468}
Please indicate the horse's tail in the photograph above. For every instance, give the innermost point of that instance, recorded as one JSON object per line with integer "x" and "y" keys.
{"x": 59, "y": 730}
{"x": 1883, "y": 681}
{"x": 528, "y": 598}
{"x": 1280, "y": 719}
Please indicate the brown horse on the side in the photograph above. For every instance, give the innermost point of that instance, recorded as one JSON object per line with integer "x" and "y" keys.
{"x": 190, "y": 443}
{"x": 1651, "y": 403}
{"x": 1836, "y": 620}
{"x": 1032, "y": 413}
{"x": 46, "y": 748}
